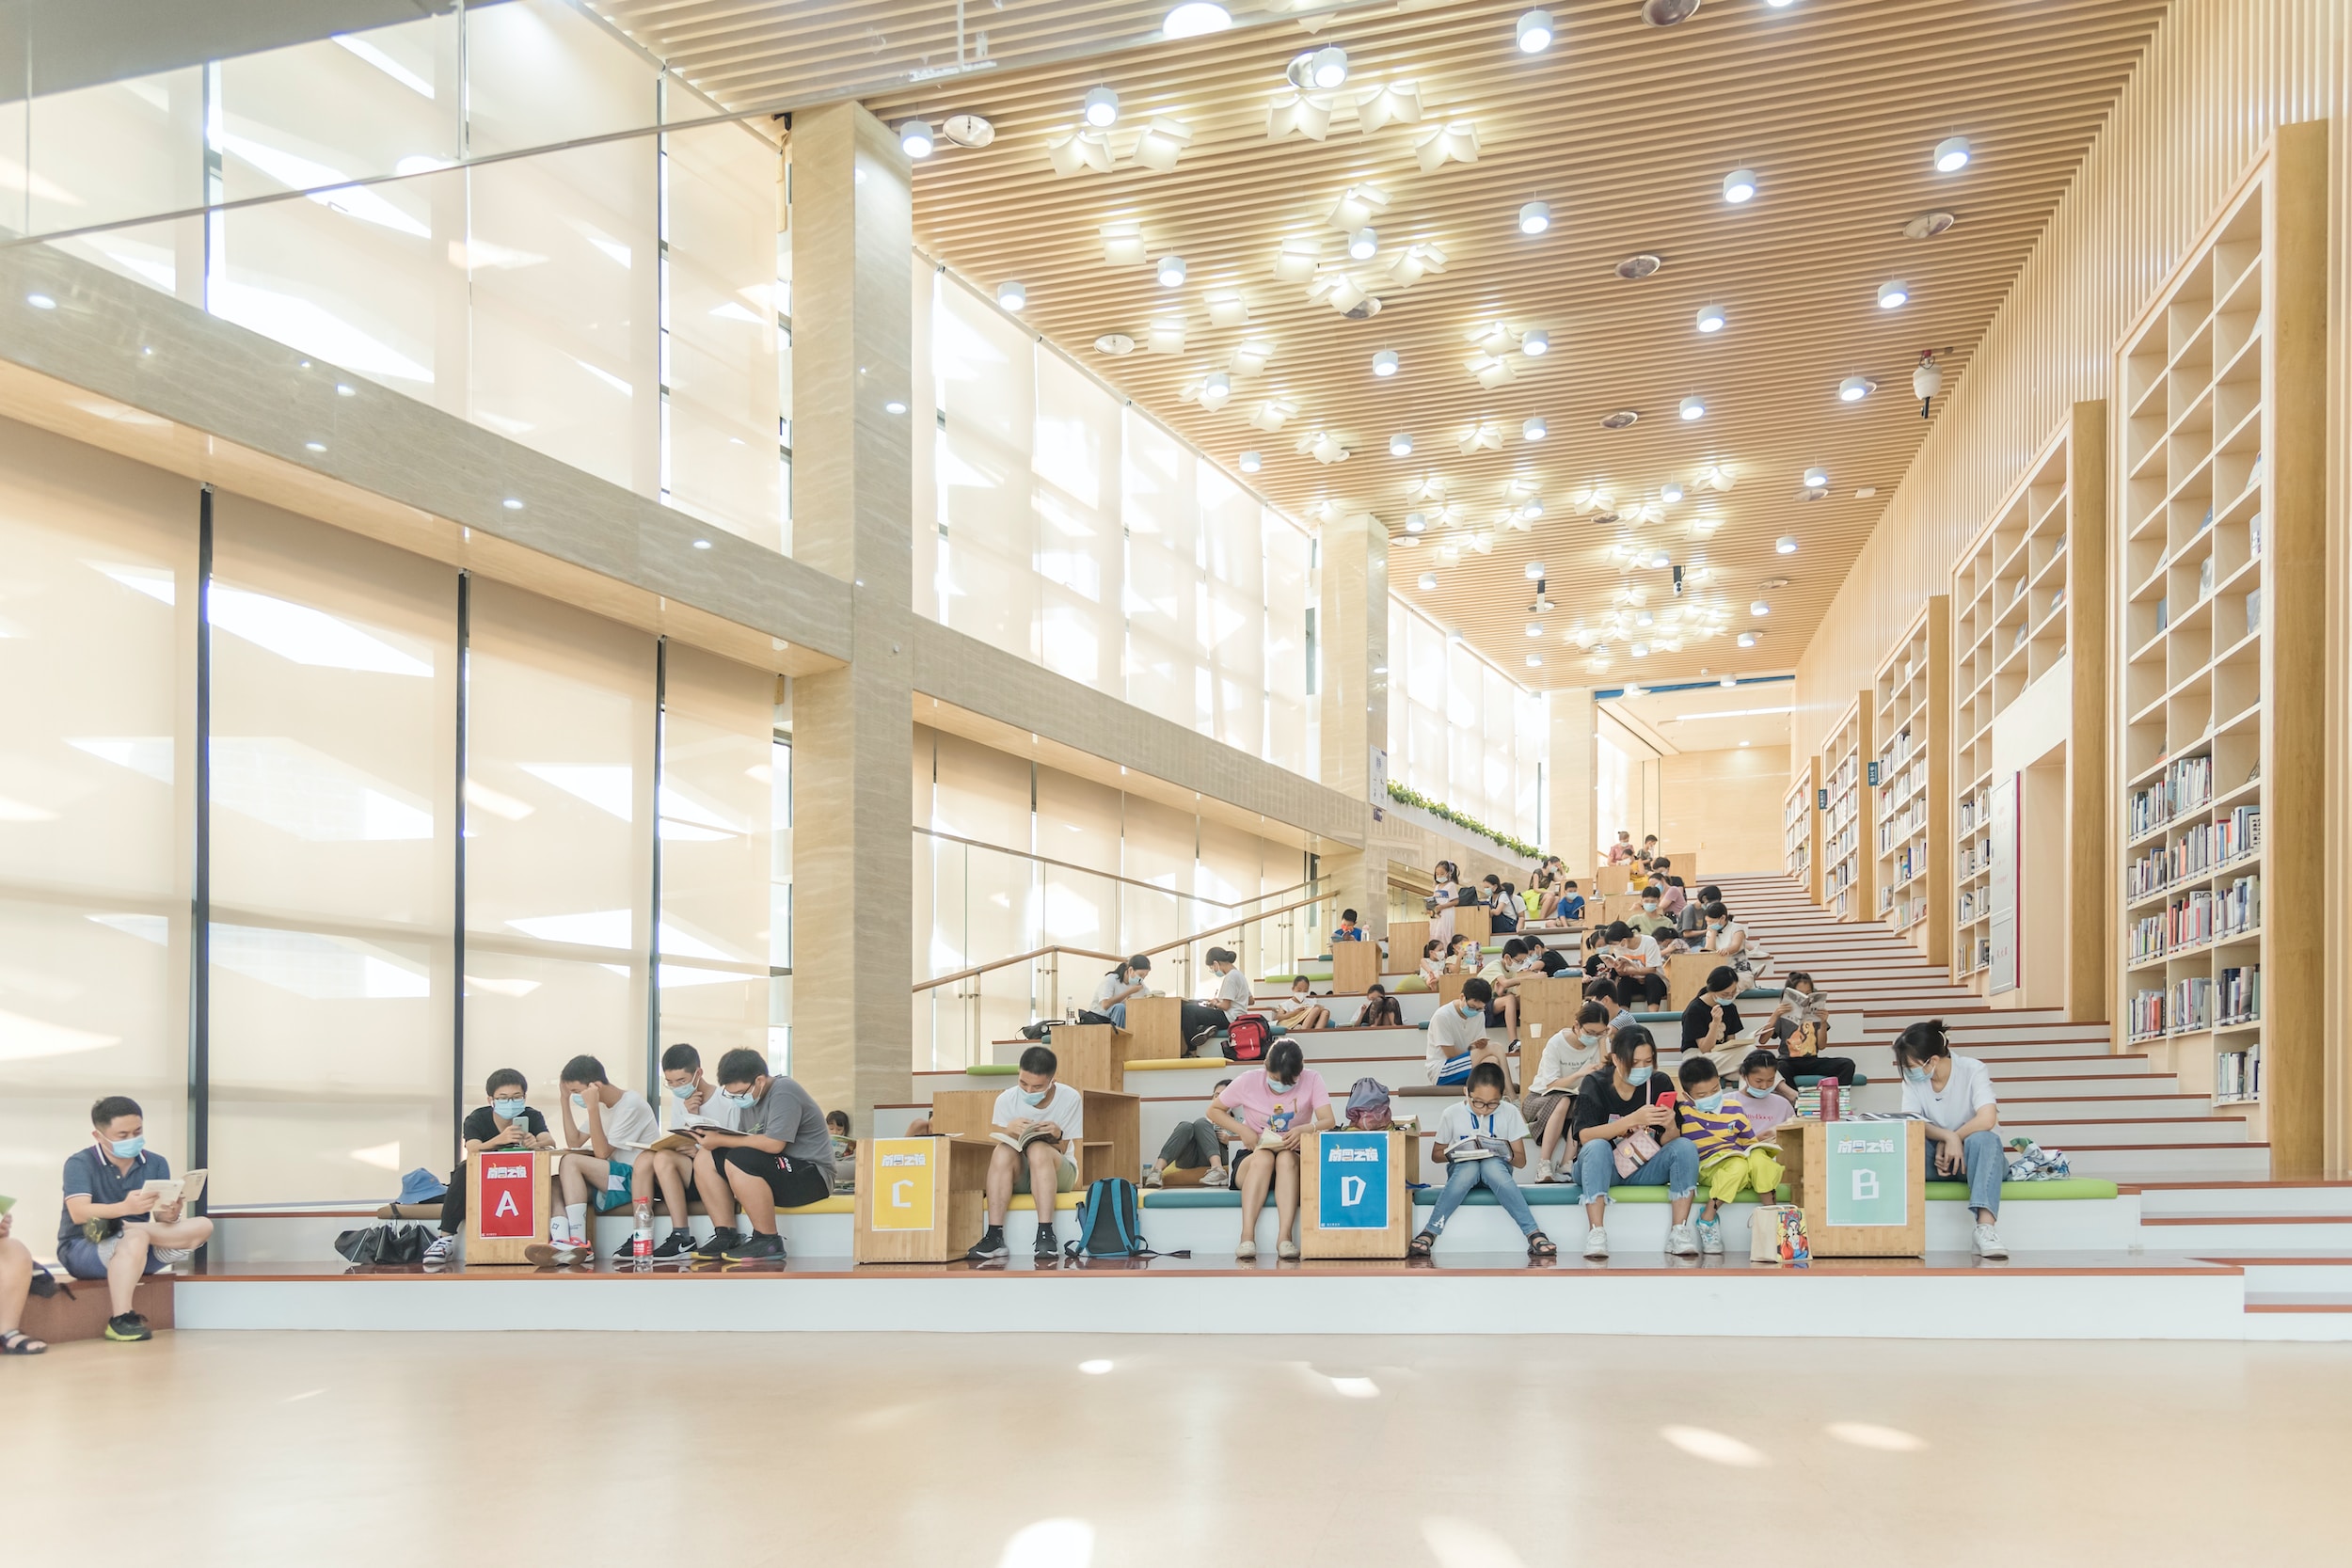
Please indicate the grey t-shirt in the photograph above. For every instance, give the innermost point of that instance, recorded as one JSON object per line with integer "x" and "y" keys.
{"x": 788, "y": 1115}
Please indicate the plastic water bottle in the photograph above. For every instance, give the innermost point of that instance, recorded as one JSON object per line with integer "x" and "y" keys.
{"x": 641, "y": 1239}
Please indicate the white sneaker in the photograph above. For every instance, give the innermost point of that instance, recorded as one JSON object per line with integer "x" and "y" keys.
{"x": 1989, "y": 1243}
{"x": 1680, "y": 1242}
{"x": 442, "y": 1249}
{"x": 171, "y": 1255}
{"x": 1597, "y": 1242}
{"x": 1217, "y": 1176}
{"x": 1543, "y": 1172}
{"x": 1246, "y": 1250}
{"x": 1151, "y": 1177}
{"x": 1712, "y": 1237}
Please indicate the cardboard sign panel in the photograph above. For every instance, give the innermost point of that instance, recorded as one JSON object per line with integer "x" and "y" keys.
{"x": 1353, "y": 1180}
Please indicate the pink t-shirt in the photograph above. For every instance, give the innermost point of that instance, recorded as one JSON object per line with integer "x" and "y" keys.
{"x": 1252, "y": 1099}
{"x": 1765, "y": 1114}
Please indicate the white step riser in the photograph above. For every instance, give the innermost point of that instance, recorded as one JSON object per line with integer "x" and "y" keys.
{"x": 2171, "y": 1164}
{"x": 2093, "y": 1088}
{"x": 2072, "y": 1135}
{"x": 2081, "y": 1039}
{"x": 2329, "y": 1201}
{"x": 2107, "y": 1108}
{"x": 2334, "y": 1279}
{"x": 2247, "y": 1240}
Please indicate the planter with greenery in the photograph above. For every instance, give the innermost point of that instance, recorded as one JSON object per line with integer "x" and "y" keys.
{"x": 1439, "y": 809}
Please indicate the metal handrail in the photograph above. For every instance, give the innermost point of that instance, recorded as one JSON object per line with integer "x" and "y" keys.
{"x": 1112, "y": 876}
{"x": 1037, "y": 953}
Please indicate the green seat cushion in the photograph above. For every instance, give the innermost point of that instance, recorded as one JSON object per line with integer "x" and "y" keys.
{"x": 1410, "y": 985}
{"x": 2077, "y": 1188}
{"x": 991, "y": 1070}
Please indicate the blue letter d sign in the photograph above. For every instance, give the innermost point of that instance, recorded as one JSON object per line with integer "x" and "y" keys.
{"x": 1354, "y": 1181}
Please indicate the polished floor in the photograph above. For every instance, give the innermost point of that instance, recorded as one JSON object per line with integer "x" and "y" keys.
{"x": 1074, "y": 1452}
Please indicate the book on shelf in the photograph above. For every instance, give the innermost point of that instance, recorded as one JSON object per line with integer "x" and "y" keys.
{"x": 2238, "y": 1074}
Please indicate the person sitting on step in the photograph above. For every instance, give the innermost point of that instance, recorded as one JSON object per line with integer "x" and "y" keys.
{"x": 16, "y": 1284}
{"x": 1733, "y": 1156}
{"x": 1047, "y": 1120}
{"x": 782, "y": 1159}
{"x": 1195, "y": 1145}
{"x": 605, "y": 1129}
{"x": 1712, "y": 1025}
{"x": 1347, "y": 929}
{"x": 1622, "y": 1106}
{"x": 1381, "y": 1011}
{"x": 508, "y": 1123}
{"x": 1432, "y": 962}
{"x": 1301, "y": 1010}
{"x": 1458, "y": 1035}
{"x": 1955, "y": 1096}
{"x": 1570, "y": 1056}
{"x": 1765, "y": 1095}
{"x": 1480, "y": 1140}
{"x": 1798, "y": 1028}
{"x": 115, "y": 1227}
{"x": 1636, "y": 962}
{"x": 1269, "y": 1111}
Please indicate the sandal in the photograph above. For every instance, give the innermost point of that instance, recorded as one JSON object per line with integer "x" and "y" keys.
{"x": 1421, "y": 1246}
{"x": 15, "y": 1342}
{"x": 1541, "y": 1246}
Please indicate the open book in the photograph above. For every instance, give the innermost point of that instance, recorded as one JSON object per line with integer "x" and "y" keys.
{"x": 1476, "y": 1147}
{"x": 182, "y": 1189}
{"x": 1023, "y": 1140}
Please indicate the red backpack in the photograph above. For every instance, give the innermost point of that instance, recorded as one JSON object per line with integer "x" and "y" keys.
{"x": 1249, "y": 1039}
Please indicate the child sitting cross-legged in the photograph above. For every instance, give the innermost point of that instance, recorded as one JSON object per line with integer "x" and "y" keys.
{"x": 1733, "y": 1156}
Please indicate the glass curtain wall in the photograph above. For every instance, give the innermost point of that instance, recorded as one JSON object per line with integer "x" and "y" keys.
{"x": 1462, "y": 733}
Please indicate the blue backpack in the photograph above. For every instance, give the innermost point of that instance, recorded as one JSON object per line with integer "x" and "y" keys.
{"x": 1110, "y": 1223}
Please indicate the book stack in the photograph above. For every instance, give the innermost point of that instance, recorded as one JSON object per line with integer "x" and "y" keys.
{"x": 2241, "y": 995}
{"x": 2240, "y": 907}
{"x": 2189, "y": 920}
{"x": 2191, "y": 1008}
{"x": 2238, "y": 1075}
{"x": 2148, "y": 936}
{"x": 2147, "y": 1014}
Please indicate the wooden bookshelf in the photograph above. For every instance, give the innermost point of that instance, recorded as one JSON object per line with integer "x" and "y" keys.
{"x": 1910, "y": 809}
{"x": 2028, "y": 627}
{"x": 1800, "y": 826}
{"x": 1848, "y": 872}
{"x": 2219, "y": 558}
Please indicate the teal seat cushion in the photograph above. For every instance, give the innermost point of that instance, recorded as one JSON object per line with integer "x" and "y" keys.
{"x": 1806, "y": 1079}
{"x": 1191, "y": 1197}
{"x": 2074, "y": 1188}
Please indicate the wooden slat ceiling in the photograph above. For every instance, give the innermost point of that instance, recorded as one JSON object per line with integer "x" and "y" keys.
{"x": 1627, "y": 131}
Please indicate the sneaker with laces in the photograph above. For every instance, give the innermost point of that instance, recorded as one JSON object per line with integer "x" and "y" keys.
{"x": 1151, "y": 1176}
{"x": 128, "y": 1328}
{"x": 1597, "y": 1242}
{"x": 171, "y": 1255}
{"x": 989, "y": 1246}
{"x": 1217, "y": 1176}
{"x": 1543, "y": 1172}
{"x": 443, "y": 1250}
{"x": 1047, "y": 1246}
{"x": 1712, "y": 1237}
{"x": 1680, "y": 1242}
{"x": 1989, "y": 1243}
{"x": 676, "y": 1245}
{"x": 558, "y": 1254}
{"x": 764, "y": 1246}
{"x": 716, "y": 1244}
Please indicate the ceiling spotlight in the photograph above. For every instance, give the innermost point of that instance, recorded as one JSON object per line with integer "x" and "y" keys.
{"x": 1854, "y": 388}
{"x": 1951, "y": 154}
{"x": 1171, "y": 272}
{"x": 1738, "y": 185}
{"x": 1535, "y": 217}
{"x": 1534, "y": 629}
{"x": 1535, "y": 429}
{"x": 1101, "y": 108}
{"x": 1927, "y": 379}
{"x": 1534, "y": 571}
{"x": 1363, "y": 245}
{"x": 1428, "y": 582}
{"x": 1194, "y": 18}
{"x": 1012, "y": 296}
{"x": 1711, "y": 318}
{"x": 1747, "y": 640}
{"x": 1639, "y": 650}
{"x": 1384, "y": 363}
{"x": 1760, "y": 607}
{"x": 1670, "y": 492}
{"x": 1785, "y": 545}
{"x": 1893, "y": 297}
{"x": 1533, "y": 509}
{"x": 1534, "y": 343}
{"x": 1327, "y": 67}
{"x": 41, "y": 302}
{"x": 1401, "y": 445}
{"x": 1644, "y": 618}
{"x": 512, "y": 504}
{"x": 1534, "y": 661}
{"x": 1415, "y": 523}
{"x": 1251, "y": 462}
{"x": 914, "y": 136}
{"x": 1218, "y": 383}
{"x": 1816, "y": 478}
{"x": 1660, "y": 561}
{"x": 1535, "y": 32}
{"x": 1692, "y": 407}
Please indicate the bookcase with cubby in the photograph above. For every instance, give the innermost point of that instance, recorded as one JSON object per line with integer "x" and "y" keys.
{"x": 2218, "y": 557}
{"x": 1801, "y": 827}
{"x": 1911, "y": 818}
{"x": 1849, "y": 871}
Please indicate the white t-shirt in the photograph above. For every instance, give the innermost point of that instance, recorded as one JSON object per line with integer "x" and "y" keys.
{"x": 1233, "y": 986}
{"x": 1107, "y": 992}
{"x": 1456, "y": 1122}
{"x": 1064, "y": 1107}
{"x": 1451, "y": 1033}
{"x": 1968, "y": 1091}
{"x": 1645, "y": 946}
{"x": 717, "y": 1107}
{"x": 1563, "y": 1053}
{"x": 627, "y": 1120}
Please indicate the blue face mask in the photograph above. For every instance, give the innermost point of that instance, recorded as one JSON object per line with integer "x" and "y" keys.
{"x": 1637, "y": 1076}
{"x": 685, "y": 1090}
{"x": 1711, "y": 1102}
{"x": 579, "y": 1103}
{"x": 1754, "y": 1093}
{"x": 129, "y": 1149}
{"x": 746, "y": 1101}
{"x": 511, "y": 1109}
{"x": 1039, "y": 1097}
{"x": 1915, "y": 1075}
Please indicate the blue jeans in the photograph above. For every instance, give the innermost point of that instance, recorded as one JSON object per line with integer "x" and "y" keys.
{"x": 1987, "y": 1159}
{"x": 1463, "y": 1176}
{"x": 1119, "y": 1013}
{"x": 1676, "y": 1167}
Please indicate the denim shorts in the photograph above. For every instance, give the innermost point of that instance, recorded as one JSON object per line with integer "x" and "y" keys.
{"x": 86, "y": 1259}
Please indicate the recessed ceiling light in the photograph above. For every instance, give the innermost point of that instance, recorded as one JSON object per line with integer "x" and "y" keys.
{"x": 1428, "y": 581}
{"x": 1194, "y": 18}
{"x": 1670, "y": 492}
{"x": 1866, "y": 492}
{"x": 1535, "y": 429}
{"x": 1785, "y": 545}
{"x": 1251, "y": 462}
{"x": 1415, "y": 522}
{"x": 1711, "y": 318}
{"x": 1326, "y": 68}
{"x": 1893, "y": 297}
{"x": 1101, "y": 108}
{"x": 967, "y": 130}
{"x": 1692, "y": 407}
{"x": 701, "y": 544}
{"x": 1534, "y": 343}
{"x": 1535, "y": 217}
{"x": 512, "y": 504}
{"x": 1114, "y": 343}
{"x": 1770, "y": 583}
{"x": 313, "y": 446}
{"x": 894, "y": 406}
{"x": 1738, "y": 185}
{"x": 1760, "y": 607}
{"x": 1727, "y": 681}
{"x": 914, "y": 136}
{"x": 1535, "y": 32}
{"x": 1364, "y": 244}
{"x": 343, "y": 389}
{"x": 1012, "y": 296}
{"x": 1639, "y": 266}
{"x": 1384, "y": 363}
{"x": 41, "y": 302}
{"x": 1854, "y": 388}
{"x": 1170, "y": 272}
{"x": 1666, "y": 13}
{"x": 1619, "y": 419}
{"x": 1928, "y": 225}
{"x": 1401, "y": 445}
{"x": 1748, "y": 639}
{"x": 1951, "y": 154}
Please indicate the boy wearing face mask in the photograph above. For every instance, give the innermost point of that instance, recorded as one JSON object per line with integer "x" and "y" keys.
{"x": 606, "y": 1126}
{"x": 1570, "y": 1056}
{"x": 1733, "y": 1156}
{"x": 507, "y": 1123}
{"x": 780, "y": 1159}
{"x": 669, "y": 1173}
{"x": 1042, "y": 1168}
{"x": 113, "y": 1228}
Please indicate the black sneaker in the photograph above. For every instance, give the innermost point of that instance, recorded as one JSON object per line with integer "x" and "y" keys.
{"x": 717, "y": 1245}
{"x": 763, "y": 1246}
{"x": 676, "y": 1245}
{"x": 1048, "y": 1246}
{"x": 991, "y": 1245}
{"x": 129, "y": 1327}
